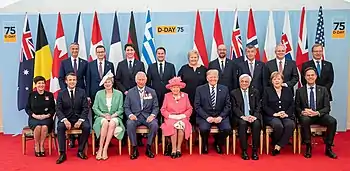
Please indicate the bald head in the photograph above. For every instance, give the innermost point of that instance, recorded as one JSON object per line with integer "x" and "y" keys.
{"x": 222, "y": 51}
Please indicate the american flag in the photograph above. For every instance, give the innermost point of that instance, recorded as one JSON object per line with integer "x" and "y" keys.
{"x": 26, "y": 67}
{"x": 320, "y": 30}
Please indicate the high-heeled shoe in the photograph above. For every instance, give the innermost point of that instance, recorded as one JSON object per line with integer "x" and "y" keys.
{"x": 42, "y": 153}
{"x": 37, "y": 154}
{"x": 173, "y": 155}
{"x": 178, "y": 154}
{"x": 98, "y": 155}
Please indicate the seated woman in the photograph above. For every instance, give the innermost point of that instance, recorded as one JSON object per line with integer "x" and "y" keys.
{"x": 108, "y": 109}
{"x": 41, "y": 109}
{"x": 278, "y": 107}
{"x": 176, "y": 110}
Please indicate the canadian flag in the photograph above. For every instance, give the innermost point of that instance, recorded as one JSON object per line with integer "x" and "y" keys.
{"x": 96, "y": 38}
{"x": 199, "y": 42}
{"x": 59, "y": 54}
{"x": 217, "y": 37}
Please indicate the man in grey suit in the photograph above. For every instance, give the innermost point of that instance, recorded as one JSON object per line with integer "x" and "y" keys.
{"x": 141, "y": 108}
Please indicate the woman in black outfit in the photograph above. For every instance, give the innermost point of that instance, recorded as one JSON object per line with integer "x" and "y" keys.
{"x": 40, "y": 108}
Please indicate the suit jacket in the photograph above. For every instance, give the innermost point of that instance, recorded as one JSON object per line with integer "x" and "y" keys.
{"x": 322, "y": 100}
{"x": 254, "y": 103}
{"x": 290, "y": 72}
{"x": 67, "y": 67}
{"x": 132, "y": 104}
{"x": 239, "y": 60}
{"x": 326, "y": 78}
{"x": 66, "y": 109}
{"x": 93, "y": 78}
{"x": 229, "y": 77}
{"x": 203, "y": 106}
{"x": 124, "y": 79}
{"x": 259, "y": 79}
{"x": 271, "y": 103}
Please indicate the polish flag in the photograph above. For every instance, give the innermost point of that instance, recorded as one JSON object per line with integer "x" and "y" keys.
{"x": 217, "y": 37}
{"x": 96, "y": 38}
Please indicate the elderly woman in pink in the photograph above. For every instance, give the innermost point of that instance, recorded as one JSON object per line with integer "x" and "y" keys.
{"x": 176, "y": 110}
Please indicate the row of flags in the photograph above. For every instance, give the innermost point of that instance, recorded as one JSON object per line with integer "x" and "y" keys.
{"x": 38, "y": 61}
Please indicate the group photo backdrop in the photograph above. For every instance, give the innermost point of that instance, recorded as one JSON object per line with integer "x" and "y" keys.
{"x": 177, "y": 45}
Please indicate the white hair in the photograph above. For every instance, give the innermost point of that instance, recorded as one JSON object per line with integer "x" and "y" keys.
{"x": 213, "y": 72}
{"x": 245, "y": 76}
{"x": 140, "y": 73}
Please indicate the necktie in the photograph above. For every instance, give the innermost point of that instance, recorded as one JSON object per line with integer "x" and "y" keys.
{"x": 161, "y": 72}
{"x": 75, "y": 66}
{"x": 312, "y": 99}
{"x": 318, "y": 67}
{"x": 280, "y": 67}
{"x": 212, "y": 96}
{"x": 141, "y": 98}
{"x": 246, "y": 103}
{"x": 72, "y": 97}
{"x": 222, "y": 66}
{"x": 100, "y": 69}
{"x": 130, "y": 66}
{"x": 251, "y": 68}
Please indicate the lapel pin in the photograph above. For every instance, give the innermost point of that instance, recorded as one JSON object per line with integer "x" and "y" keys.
{"x": 219, "y": 89}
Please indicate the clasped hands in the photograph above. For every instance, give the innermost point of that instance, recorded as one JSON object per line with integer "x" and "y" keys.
{"x": 309, "y": 112}
{"x": 149, "y": 118}
{"x": 214, "y": 119}
{"x": 281, "y": 114}
{"x": 249, "y": 118}
{"x": 177, "y": 116}
{"x": 69, "y": 125}
{"x": 40, "y": 117}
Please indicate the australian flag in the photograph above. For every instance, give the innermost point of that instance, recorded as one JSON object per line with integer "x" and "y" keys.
{"x": 26, "y": 67}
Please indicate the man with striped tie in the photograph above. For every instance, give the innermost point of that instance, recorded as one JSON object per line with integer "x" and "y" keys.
{"x": 213, "y": 106}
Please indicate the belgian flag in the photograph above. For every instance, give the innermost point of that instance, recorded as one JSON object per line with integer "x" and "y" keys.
{"x": 43, "y": 57}
{"x": 132, "y": 38}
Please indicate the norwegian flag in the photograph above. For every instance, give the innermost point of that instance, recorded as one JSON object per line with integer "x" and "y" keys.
{"x": 251, "y": 34}
{"x": 270, "y": 41}
{"x": 236, "y": 40}
{"x": 217, "y": 37}
{"x": 286, "y": 38}
{"x": 96, "y": 38}
{"x": 199, "y": 42}
{"x": 320, "y": 31}
{"x": 60, "y": 53}
{"x": 302, "y": 50}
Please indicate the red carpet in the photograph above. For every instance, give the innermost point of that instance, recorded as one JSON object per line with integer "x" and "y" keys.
{"x": 11, "y": 159}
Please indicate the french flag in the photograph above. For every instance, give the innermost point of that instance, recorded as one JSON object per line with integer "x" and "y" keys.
{"x": 115, "y": 50}
{"x": 302, "y": 50}
{"x": 217, "y": 37}
{"x": 79, "y": 38}
{"x": 96, "y": 38}
{"x": 199, "y": 42}
{"x": 286, "y": 38}
{"x": 251, "y": 34}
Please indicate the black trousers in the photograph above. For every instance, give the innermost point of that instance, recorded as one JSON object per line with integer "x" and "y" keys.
{"x": 282, "y": 130}
{"x": 324, "y": 120}
{"x": 242, "y": 133}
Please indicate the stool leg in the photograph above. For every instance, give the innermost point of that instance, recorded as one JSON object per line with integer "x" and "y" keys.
{"x": 234, "y": 142}
{"x": 93, "y": 142}
{"x": 156, "y": 143}
{"x": 200, "y": 143}
{"x": 294, "y": 140}
{"x": 50, "y": 144}
{"x": 299, "y": 141}
{"x": 24, "y": 144}
{"x": 163, "y": 143}
{"x": 190, "y": 144}
{"x": 261, "y": 142}
{"x": 129, "y": 150}
{"x": 227, "y": 145}
{"x": 267, "y": 142}
{"x": 120, "y": 147}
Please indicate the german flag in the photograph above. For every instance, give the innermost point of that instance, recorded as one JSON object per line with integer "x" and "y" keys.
{"x": 132, "y": 38}
{"x": 43, "y": 57}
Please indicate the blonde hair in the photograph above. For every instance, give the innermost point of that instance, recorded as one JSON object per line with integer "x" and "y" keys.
{"x": 191, "y": 52}
{"x": 213, "y": 72}
{"x": 275, "y": 74}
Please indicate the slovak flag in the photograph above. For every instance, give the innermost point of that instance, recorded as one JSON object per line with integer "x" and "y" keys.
{"x": 286, "y": 38}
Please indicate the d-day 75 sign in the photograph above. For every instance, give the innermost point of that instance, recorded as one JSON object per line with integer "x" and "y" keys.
{"x": 339, "y": 30}
{"x": 171, "y": 29}
{"x": 9, "y": 31}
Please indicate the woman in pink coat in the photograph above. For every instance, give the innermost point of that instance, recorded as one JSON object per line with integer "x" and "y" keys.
{"x": 176, "y": 110}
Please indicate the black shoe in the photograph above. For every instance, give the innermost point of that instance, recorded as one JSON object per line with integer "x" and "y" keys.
{"x": 72, "y": 143}
{"x": 308, "y": 151}
{"x": 218, "y": 149}
{"x": 244, "y": 155}
{"x": 134, "y": 154}
{"x": 255, "y": 155}
{"x": 205, "y": 149}
{"x": 82, "y": 155}
{"x": 149, "y": 153}
{"x": 62, "y": 158}
{"x": 139, "y": 141}
{"x": 173, "y": 155}
{"x": 42, "y": 154}
{"x": 178, "y": 154}
{"x": 167, "y": 150}
{"x": 37, "y": 154}
{"x": 275, "y": 152}
{"x": 330, "y": 153}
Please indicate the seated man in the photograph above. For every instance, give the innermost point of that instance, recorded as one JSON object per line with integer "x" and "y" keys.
{"x": 213, "y": 105}
{"x": 72, "y": 111}
{"x": 141, "y": 108}
{"x": 246, "y": 107}
{"x": 313, "y": 107}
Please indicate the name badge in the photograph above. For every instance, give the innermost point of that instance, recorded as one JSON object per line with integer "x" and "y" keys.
{"x": 47, "y": 98}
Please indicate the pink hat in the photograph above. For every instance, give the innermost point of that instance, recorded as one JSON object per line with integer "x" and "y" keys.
{"x": 176, "y": 81}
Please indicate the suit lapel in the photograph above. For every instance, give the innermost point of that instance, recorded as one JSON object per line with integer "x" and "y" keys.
{"x": 305, "y": 96}
{"x": 251, "y": 98}
{"x": 114, "y": 102}
{"x": 107, "y": 68}
{"x": 240, "y": 98}
{"x": 103, "y": 99}
{"x": 274, "y": 65}
{"x": 209, "y": 89}
{"x": 137, "y": 94}
{"x": 285, "y": 67}
{"x": 318, "y": 96}
{"x": 134, "y": 66}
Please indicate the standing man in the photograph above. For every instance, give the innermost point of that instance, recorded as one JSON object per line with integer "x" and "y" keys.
{"x": 325, "y": 73}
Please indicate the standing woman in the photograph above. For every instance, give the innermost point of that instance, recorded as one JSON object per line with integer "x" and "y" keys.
{"x": 41, "y": 109}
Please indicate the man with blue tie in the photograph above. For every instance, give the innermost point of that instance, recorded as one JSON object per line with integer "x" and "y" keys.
{"x": 213, "y": 106}
{"x": 313, "y": 107}
{"x": 246, "y": 107}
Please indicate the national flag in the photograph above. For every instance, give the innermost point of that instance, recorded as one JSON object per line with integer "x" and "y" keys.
{"x": 286, "y": 38}
{"x": 199, "y": 42}
{"x": 236, "y": 42}
{"x": 43, "y": 57}
{"x": 26, "y": 67}
{"x": 115, "y": 50}
{"x": 60, "y": 53}
{"x": 217, "y": 37}
{"x": 270, "y": 40}
{"x": 320, "y": 39}
{"x": 96, "y": 38}
{"x": 148, "y": 45}
{"x": 302, "y": 50}
{"x": 80, "y": 38}
{"x": 132, "y": 37}
{"x": 252, "y": 39}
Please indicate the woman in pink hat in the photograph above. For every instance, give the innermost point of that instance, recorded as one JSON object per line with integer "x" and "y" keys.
{"x": 176, "y": 110}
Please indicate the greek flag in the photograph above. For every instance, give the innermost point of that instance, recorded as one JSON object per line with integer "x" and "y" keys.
{"x": 148, "y": 48}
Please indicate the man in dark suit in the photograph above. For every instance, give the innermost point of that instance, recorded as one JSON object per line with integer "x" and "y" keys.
{"x": 141, "y": 108}
{"x": 287, "y": 67}
{"x": 246, "y": 107}
{"x": 325, "y": 73}
{"x": 313, "y": 107}
{"x": 228, "y": 70}
{"x": 255, "y": 69}
{"x": 72, "y": 112}
{"x": 213, "y": 106}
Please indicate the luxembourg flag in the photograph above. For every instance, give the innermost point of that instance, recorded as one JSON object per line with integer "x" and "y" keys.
{"x": 96, "y": 38}
{"x": 286, "y": 38}
{"x": 217, "y": 37}
{"x": 302, "y": 50}
{"x": 270, "y": 41}
{"x": 199, "y": 42}
{"x": 115, "y": 50}
{"x": 79, "y": 38}
{"x": 148, "y": 47}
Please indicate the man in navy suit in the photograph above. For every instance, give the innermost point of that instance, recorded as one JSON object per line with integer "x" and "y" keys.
{"x": 141, "y": 108}
{"x": 72, "y": 112}
{"x": 213, "y": 105}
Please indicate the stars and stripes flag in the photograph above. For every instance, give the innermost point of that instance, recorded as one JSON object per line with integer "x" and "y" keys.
{"x": 26, "y": 66}
{"x": 302, "y": 49}
{"x": 96, "y": 38}
{"x": 217, "y": 37}
{"x": 115, "y": 50}
{"x": 252, "y": 39}
{"x": 79, "y": 38}
{"x": 320, "y": 39}
{"x": 236, "y": 40}
{"x": 286, "y": 38}
{"x": 148, "y": 47}
{"x": 199, "y": 42}
{"x": 270, "y": 41}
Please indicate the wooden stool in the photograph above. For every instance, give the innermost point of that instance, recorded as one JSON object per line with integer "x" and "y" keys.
{"x": 235, "y": 132}
{"x": 28, "y": 134}
{"x": 143, "y": 130}
{"x": 74, "y": 131}
{"x": 213, "y": 130}
{"x": 190, "y": 142}
{"x": 313, "y": 128}
{"x": 269, "y": 130}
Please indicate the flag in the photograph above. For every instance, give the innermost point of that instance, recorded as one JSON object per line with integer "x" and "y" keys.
{"x": 302, "y": 50}
{"x": 320, "y": 31}
{"x": 43, "y": 57}
{"x": 148, "y": 46}
{"x": 115, "y": 50}
{"x": 270, "y": 40}
{"x": 251, "y": 34}
{"x": 79, "y": 38}
{"x": 132, "y": 38}
{"x": 199, "y": 42}
{"x": 96, "y": 38}
{"x": 236, "y": 42}
{"x": 217, "y": 37}
{"x": 26, "y": 67}
{"x": 286, "y": 38}
{"x": 60, "y": 53}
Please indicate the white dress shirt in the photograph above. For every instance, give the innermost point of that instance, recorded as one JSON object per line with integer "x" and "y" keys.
{"x": 103, "y": 65}
{"x": 278, "y": 63}
{"x": 315, "y": 61}
{"x": 246, "y": 92}
{"x": 308, "y": 93}
{"x": 158, "y": 66}
{"x": 224, "y": 60}
{"x": 215, "y": 91}
{"x": 132, "y": 61}
{"x": 70, "y": 95}
{"x": 72, "y": 59}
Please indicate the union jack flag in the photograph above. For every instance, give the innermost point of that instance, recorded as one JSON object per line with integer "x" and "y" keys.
{"x": 236, "y": 44}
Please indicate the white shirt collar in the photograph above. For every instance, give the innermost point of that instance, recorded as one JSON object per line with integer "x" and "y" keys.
{"x": 278, "y": 60}
{"x": 251, "y": 61}
{"x": 132, "y": 60}
{"x": 141, "y": 89}
{"x": 215, "y": 86}
{"x": 308, "y": 86}
{"x": 247, "y": 90}
{"x": 71, "y": 89}
{"x": 315, "y": 61}
{"x": 98, "y": 61}
{"x": 222, "y": 59}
